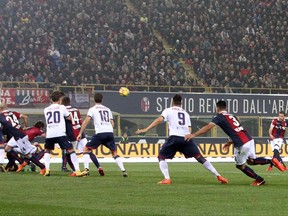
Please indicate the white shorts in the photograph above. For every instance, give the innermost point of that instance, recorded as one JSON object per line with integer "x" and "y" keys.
{"x": 79, "y": 145}
{"x": 276, "y": 143}
{"x": 244, "y": 152}
{"x": 22, "y": 146}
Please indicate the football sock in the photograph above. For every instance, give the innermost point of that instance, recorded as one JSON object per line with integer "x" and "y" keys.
{"x": 47, "y": 160}
{"x": 15, "y": 155}
{"x": 261, "y": 161}
{"x": 64, "y": 158}
{"x": 11, "y": 161}
{"x": 69, "y": 161}
{"x": 249, "y": 172}
{"x": 94, "y": 159}
{"x": 119, "y": 162}
{"x": 164, "y": 168}
{"x": 211, "y": 168}
{"x": 86, "y": 160}
{"x": 40, "y": 155}
{"x": 37, "y": 162}
{"x": 2, "y": 154}
{"x": 74, "y": 161}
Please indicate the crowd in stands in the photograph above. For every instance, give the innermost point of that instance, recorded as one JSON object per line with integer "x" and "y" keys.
{"x": 83, "y": 42}
{"x": 229, "y": 43}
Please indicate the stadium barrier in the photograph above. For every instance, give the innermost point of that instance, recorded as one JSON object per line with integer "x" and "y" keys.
{"x": 89, "y": 88}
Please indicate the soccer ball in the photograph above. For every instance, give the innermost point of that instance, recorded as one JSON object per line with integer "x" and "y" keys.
{"x": 124, "y": 92}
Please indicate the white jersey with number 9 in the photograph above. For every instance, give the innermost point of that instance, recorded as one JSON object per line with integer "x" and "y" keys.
{"x": 178, "y": 120}
{"x": 102, "y": 117}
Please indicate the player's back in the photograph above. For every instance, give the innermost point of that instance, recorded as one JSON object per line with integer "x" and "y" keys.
{"x": 13, "y": 118}
{"x": 55, "y": 120}
{"x": 9, "y": 129}
{"x": 74, "y": 124}
{"x": 33, "y": 132}
{"x": 178, "y": 120}
{"x": 102, "y": 117}
{"x": 232, "y": 127}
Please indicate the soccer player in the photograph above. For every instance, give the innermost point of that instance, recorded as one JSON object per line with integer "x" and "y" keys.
{"x": 276, "y": 133}
{"x": 18, "y": 140}
{"x": 55, "y": 115}
{"x": 13, "y": 118}
{"x": 179, "y": 125}
{"x": 244, "y": 147}
{"x": 76, "y": 121}
{"x": 103, "y": 123}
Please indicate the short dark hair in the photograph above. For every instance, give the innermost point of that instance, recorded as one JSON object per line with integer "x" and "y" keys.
{"x": 39, "y": 124}
{"x": 66, "y": 101}
{"x": 62, "y": 93}
{"x": 177, "y": 99}
{"x": 221, "y": 104}
{"x": 55, "y": 96}
{"x": 98, "y": 98}
{"x": 282, "y": 112}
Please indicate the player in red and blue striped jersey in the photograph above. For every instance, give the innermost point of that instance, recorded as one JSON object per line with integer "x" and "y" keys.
{"x": 244, "y": 146}
{"x": 276, "y": 132}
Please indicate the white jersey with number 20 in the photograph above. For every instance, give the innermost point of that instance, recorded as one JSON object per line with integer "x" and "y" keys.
{"x": 101, "y": 116}
{"x": 55, "y": 120}
{"x": 178, "y": 121}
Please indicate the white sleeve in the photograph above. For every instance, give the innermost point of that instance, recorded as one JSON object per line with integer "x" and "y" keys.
{"x": 164, "y": 114}
{"x": 65, "y": 111}
{"x": 110, "y": 115}
{"x": 188, "y": 120}
{"x": 90, "y": 113}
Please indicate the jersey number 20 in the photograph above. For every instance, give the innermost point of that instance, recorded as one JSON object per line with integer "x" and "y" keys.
{"x": 53, "y": 117}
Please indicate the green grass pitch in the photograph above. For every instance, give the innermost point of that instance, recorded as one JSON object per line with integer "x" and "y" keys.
{"x": 194, "y": 191}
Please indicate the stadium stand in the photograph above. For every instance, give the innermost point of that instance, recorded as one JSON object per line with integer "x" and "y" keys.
{"x": 83, "y": 42}
{"x": 228, "y": 43}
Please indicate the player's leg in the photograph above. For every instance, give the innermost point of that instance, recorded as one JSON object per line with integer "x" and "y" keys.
{"x": 241, "y": 155}
{"x": 167, "y": 151}
{"x": 189, "y": 149}
{"x": 253, "y": 160}
{"x": 11, "y": 163}
{"x": 64, "y": 161}
{"x": 49, "y": 146}
{"x": 12, "y": 143}
{"x": 110, "y": 144}
{"x": 2, "y": 157}
{"x": 276, "y": 145}
{"x": 65, "y": 144}
{"x": 88, "y": 154}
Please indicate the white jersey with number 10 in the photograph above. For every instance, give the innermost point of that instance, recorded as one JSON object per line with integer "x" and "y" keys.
{"x": 55, "y": 120}
{"x": 101, "y": 116}
{"x": 178, "y": 121}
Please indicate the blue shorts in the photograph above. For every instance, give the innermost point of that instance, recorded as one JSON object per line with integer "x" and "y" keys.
{"x": 62, "y": 142}
{"x": 106, "y": 139}
{"x": 178, "y": 144}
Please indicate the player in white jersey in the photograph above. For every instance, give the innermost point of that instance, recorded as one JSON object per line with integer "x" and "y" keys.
{"x": 179, "y": 125}
{"x": 55, "y": 116}
{"x": 103, "y": 123}
{"x": 76, "y": 122}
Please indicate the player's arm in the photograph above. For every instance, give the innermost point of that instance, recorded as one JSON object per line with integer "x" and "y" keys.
{"x": 68, "y": 117}
{"x": 270, "y": 131}
{"x": 201, "y": 131}
{"x": 83, "y": 127}
{"x": 227, "y": 144}
{"x": 25, "y": 120}
{"x": 112, "y": 122}
{"x": 190, "y": 129}
{"x": 156, "y": 122}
